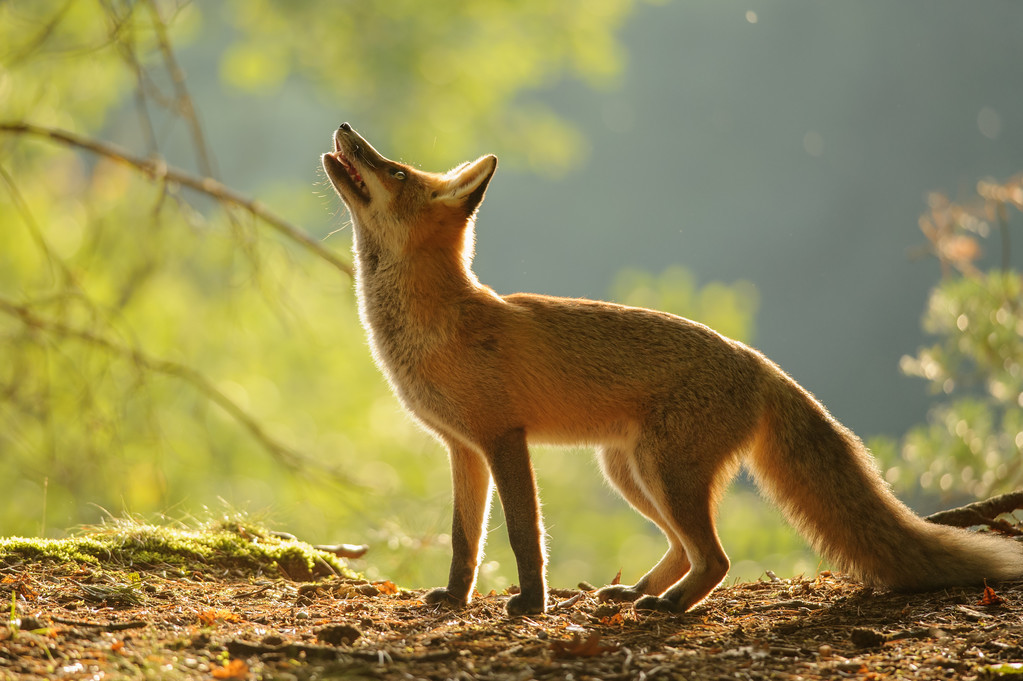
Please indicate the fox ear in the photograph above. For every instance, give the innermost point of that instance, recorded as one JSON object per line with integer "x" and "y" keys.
{"x": 465, "y": 185}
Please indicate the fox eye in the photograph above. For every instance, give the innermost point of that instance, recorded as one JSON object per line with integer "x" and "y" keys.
{"x": 398, "y": 174}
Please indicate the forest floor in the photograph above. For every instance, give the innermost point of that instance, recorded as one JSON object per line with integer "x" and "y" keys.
{"x": 112, "y": 618}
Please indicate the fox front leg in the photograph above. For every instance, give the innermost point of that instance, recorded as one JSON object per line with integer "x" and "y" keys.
{"x": 472, "y": 492}
{"x": 509, "y": 463}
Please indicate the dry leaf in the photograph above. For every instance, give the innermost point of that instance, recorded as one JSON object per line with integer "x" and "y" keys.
{"x": 208, "y": 617}
{"x": 235, "y": 669}
{"x": 990, "y": 597}
{"x": 386, "y": 587}
{"x": 22, "y": 586}
{"x": 615, "y": 620}
{"x": 577, "y": 647}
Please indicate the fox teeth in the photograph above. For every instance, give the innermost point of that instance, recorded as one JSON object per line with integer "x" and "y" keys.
{"x": 352, "y": 172}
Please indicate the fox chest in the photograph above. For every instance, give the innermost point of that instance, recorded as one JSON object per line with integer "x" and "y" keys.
{"x": 443, "y": 384}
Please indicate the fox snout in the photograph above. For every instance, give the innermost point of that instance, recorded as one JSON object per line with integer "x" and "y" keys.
{"x": 342, "y": 165}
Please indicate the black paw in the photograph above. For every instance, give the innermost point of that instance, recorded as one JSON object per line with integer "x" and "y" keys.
{"x": 655, "y": 603}
{"x": 441, "y": 596}
{"x": 526, "y": 604}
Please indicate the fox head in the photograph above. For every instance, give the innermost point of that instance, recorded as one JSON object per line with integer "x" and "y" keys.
{"x": 396, "y": 209}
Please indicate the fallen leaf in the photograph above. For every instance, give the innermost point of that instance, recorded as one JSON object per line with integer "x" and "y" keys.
{"x": 208, "y": 617}
{"x": 615, "y": 620}
{"x": 990, "y": 597}
{"x": 577, "y": 647}
{"x": 235, "y": 669}
{"x": 386, "y": 587}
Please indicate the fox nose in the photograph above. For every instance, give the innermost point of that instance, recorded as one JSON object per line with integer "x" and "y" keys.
{"x": 345, "y": 127}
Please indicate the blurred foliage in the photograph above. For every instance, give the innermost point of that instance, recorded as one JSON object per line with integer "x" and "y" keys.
{"x": 163, "y": 351}
{"x": 727, "y": 308}
{"x": 972, "y": 442}
{"x": 445, "y": 78}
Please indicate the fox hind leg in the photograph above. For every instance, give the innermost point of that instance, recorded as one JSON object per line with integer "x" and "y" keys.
{"x": 684, "y": 476}
{"x": 615, "y": 462}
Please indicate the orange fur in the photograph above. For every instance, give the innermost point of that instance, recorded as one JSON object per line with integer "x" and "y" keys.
{"x": 672, "y": 407}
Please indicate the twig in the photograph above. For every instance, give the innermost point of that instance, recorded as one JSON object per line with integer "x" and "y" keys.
{"x": 568, "y": 603}
{"x": 157, "y": 169}
{"x": 255, "y": 592}
{"x": 788, "y": 605}
{"x": 311, "y": 651}
{"x": 343, "y": 550}
{"x": 982, "y": 513}
{"x": 110, "y": 626}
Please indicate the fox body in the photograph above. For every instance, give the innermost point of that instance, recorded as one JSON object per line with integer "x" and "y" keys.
{"x": 672, "y": 407}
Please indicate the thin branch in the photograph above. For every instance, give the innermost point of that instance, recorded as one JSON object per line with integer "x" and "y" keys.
{"x": 157, "y": 169}
{"x": 41, "y": 37}
{"x": 280, "y": 451}
{"x": 105, "y": 626}
{"x": 184, "y": 101}
{"x": 981, "y": 513}
{"x": 33, "y": 228}
{"x": 126, "y": 46}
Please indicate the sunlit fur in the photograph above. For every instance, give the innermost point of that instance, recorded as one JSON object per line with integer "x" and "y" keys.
{"x": 672, "y": 407}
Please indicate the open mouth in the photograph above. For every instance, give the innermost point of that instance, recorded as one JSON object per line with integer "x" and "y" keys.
{"x": 350, "y": 168}
{"x": 351, "y": 172}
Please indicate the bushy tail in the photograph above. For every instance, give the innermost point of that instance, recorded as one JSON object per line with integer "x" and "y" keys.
{"x": 827, "y": 484}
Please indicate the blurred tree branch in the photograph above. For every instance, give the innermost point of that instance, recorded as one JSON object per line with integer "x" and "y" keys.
{"x": 157, "y": 169}
{"x": 77, "y": 354}
{"x": 284, "y": 454}
{"x": 182, "y": 100}
{"x": 982, "y": 513}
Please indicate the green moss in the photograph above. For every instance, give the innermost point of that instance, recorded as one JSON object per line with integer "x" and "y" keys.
{"x": 213, "y": 547}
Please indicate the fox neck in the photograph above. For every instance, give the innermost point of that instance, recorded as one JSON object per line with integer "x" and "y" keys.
{"x": 410, "y": 298}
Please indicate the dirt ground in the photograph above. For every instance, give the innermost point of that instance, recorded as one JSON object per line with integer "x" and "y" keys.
{"x": 75, "y": 621}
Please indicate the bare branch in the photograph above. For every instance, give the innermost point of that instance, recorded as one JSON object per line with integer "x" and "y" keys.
{"x": 982, "y": 513}
{"x": 157, "y": 169}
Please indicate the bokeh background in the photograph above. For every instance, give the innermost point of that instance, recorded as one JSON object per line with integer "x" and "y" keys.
{"x": 835, "y": 183}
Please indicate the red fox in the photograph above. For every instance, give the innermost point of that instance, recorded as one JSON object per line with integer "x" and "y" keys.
{"x": 672, "y": 407}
